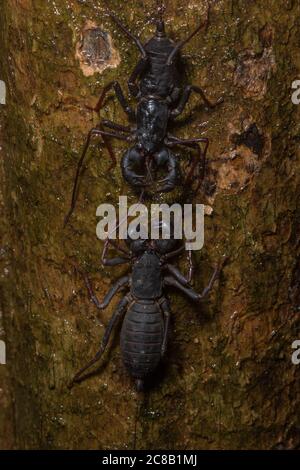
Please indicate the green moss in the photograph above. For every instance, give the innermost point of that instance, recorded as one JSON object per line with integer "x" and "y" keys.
{"x": 218, "y": 386}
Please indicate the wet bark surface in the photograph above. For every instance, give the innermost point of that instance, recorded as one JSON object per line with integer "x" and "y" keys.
{"x": 227, "y": 380}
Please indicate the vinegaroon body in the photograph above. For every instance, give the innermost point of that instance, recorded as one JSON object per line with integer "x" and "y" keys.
{"x": 145, "y": 309}
{"x": 155, "y": 82}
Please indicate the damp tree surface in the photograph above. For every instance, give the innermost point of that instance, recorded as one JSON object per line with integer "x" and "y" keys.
{"x": 227, "y": 380}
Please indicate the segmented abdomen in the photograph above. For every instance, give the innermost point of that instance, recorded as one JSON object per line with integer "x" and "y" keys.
{"x": 141, "y": 338}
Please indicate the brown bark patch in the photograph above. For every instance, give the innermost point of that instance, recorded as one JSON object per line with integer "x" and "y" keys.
{"x": 253, "y": 72}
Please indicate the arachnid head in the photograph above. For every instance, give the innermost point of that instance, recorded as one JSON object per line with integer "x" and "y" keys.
{"x": 152, "y": 119}
{"x": 162, "y": 247}
{"x": 160, "y": 45}
{"x": 166, "y": 241}
{"x": 137, "y": 246}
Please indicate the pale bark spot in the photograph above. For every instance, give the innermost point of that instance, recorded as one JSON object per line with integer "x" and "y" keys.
{"x": 95, "y": 50}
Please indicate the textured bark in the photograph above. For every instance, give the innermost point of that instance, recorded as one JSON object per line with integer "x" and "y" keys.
{"x": 228, "y": 380}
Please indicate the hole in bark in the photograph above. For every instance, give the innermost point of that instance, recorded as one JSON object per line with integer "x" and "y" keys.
{"x": 251, "y": 138}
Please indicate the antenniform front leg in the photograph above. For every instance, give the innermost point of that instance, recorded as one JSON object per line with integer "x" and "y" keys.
{"x": 188, "y": 290}
{"x": 120, "y": 96}
{"x": 97, "y": 131}
{"x": 186, "y": 96}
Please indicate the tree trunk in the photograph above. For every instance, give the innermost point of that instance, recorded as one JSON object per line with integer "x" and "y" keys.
{"x": 228, "y": 381}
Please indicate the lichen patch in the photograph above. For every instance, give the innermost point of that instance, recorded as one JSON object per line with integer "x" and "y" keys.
{"x": 253, "y": 72}
{"x": 235, "y": 174}
{"x": 250, "y": 147}
{"x": 95, "y": 50}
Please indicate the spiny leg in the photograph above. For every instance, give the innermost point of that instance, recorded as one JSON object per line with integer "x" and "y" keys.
{"x": 186, "y": 96}
{"x": 128, "y": 110}
{"x": 117, "y": 260}
{"x": 115, "y": 126}
{"x": 189, "y": 291}
{"x": 177, "y": 274}
{"x": 120, "y": 96}
{"x": 123, "y": 281}
{"x": 202, "y": 158}
{"x": 213, "y": 278}
{"x": 93, "y": 132}
{"x": 114, "y": 319}
{"x": 172, "y": 254}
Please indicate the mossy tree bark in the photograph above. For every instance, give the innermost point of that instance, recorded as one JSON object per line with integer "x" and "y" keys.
{"x": 228, "y": 379}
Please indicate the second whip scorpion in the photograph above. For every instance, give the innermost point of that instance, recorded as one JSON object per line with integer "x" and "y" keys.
{"x": 156, "y": 84}
{"x": 144, "y": 310}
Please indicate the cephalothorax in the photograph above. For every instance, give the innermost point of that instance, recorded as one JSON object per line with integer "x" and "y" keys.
{"x": 156, "y": 83}
{"x": 144, "y": 309}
